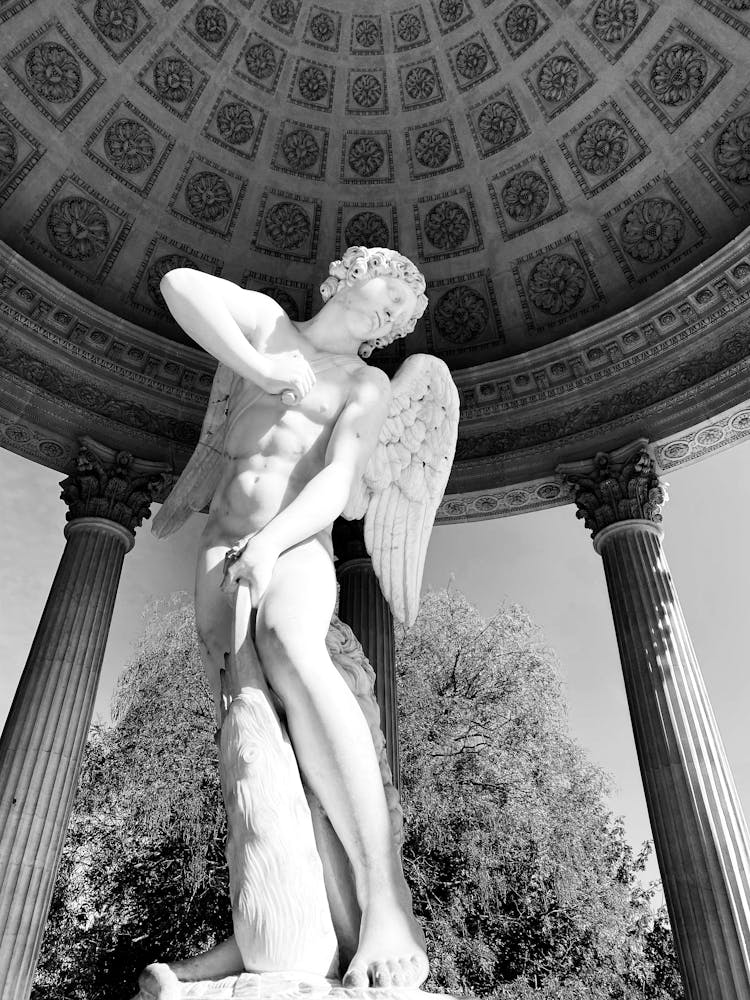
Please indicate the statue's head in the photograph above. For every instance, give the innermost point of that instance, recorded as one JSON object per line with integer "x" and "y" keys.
{"x": 363, "y": 263}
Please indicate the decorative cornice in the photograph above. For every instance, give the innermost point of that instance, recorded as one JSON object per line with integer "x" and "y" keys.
{"x": 621, "y": 485}
{"x": 114, "y": 485}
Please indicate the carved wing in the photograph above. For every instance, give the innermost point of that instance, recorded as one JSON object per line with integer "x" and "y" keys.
{"x": 200, "y": 477}
{"x": 406, "y": 477}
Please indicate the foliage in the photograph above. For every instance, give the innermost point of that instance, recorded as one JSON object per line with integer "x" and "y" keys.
{"x": 519, "y": 873}
{"x": 525, "y": 884}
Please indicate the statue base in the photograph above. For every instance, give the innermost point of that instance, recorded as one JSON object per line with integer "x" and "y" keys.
{"x": 283, "y": 986}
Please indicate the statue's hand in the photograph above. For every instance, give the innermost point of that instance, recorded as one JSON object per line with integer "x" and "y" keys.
{"x": 253, "y": 563}
{"x": 286, "y": 371}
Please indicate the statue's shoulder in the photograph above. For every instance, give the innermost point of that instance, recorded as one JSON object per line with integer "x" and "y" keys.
{"x": 371, "y": 383}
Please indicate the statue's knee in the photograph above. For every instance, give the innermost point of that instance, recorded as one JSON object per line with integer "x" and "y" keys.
{"x": 276, "y": 647}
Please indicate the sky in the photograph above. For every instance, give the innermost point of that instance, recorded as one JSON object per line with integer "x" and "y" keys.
{"x": 542, "y": 560}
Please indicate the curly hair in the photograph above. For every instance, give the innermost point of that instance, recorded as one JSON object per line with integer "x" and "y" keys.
{"x": 361, "y": 263}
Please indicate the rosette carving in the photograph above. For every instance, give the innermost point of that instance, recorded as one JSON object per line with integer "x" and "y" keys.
{"x": 322, "y": 27}
{"x": 521, "y": 23}
{"x": 557, "y": 79}
{"x": 128, "y": 145}
{"x": 602, "y": 146}
{"x": 287, "y": 225}
{"x": 367, "y": 33}
{"x": 78, "y": 228}
{"x": 556, "y": 284}
{"x": 678, "y": 74}
{"x": 461, "y": 314}
{"x": 367, "y": 90}
{"x": 211, "y": 24}
{"x": 53, "y": 72}
{"x": 614, "y": 20}
{"x": 260, "y": 60}
{"x": 208, "y": 196}
{"x": 497, "y": 123}
{"x": 525, "y": 196}
{"x": 732, "y": 150}
{"x": 652, "y": 230}
{"x": 432, "y": 147}
{"x": 173, "y": 79}
{"x": 367, "y": 230}
{"x": 447, "y": 225}
{"x": 366, "y": 156}
{"x": 420, "y": 83}
{"x": 117, "y": 20}
{"x": 235, "y": 123}
{"x": 472, "y": 60}
{"x": 300, "y": 149}
{"x": 409, "y": 27}
{"x": 313, "y": 83}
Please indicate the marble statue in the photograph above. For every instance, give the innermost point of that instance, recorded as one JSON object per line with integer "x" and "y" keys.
{"x": 299, "y": 430}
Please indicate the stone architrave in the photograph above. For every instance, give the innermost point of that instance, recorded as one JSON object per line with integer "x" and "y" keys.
{"x": 365, "y": 610}
{"x": 41, "y": 747}
{"x": 700, "y": 834}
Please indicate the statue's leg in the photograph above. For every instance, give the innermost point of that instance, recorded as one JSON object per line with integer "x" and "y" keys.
{"x": 335, "y": 752}
{"x": 213, "y": 618}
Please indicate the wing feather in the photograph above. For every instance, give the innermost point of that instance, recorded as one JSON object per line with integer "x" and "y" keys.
{"x": 200, "y": 477}
{"x": 406, "y": 477}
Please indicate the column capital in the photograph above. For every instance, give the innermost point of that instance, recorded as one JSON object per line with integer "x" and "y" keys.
{"x": 114, "y": 485}
{"x": 616, "y": 487}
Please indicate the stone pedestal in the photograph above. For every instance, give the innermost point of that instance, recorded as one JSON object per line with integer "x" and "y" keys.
{"x": 700, "y": 834}
{"x": 282, "y": 986}
{"x": 44, "y": 738}
{"x": 364, "y": 609}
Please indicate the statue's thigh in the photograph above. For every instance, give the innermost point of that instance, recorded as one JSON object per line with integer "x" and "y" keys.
{"x": 213, "y": 612}
{"x": 300, "y": 598}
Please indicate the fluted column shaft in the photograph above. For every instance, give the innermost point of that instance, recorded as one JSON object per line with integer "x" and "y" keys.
{"x": 108, "y": 494}
{"x": 700, "y": 834}
{"x": 43, "y": 741}
{"x": 364, "y": 609}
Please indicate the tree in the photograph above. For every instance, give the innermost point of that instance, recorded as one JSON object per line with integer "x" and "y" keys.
{"x": 520, "y": 874}
{"x": 525, "y": 884}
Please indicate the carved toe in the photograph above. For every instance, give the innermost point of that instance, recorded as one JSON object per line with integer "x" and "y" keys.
{"x": 158, "y": 982}
{"x": 356, "y": 977}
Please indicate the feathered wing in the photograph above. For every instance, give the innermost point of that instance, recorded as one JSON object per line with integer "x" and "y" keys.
{"x": 197, "y": 484}
{"x": 406, "y": 477}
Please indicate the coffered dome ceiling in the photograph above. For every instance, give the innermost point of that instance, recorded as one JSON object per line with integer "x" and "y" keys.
{"x": 573, "y": 177}
{"x": 547, "y": 163}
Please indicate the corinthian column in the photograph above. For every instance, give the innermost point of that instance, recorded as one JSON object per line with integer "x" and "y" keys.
{"x": 42, "y": 745}
{"x": 700, "y": 834}
{"x": 364, "y": 609}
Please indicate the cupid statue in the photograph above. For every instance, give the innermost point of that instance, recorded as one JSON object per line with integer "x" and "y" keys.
{"x": 299, "y": 430}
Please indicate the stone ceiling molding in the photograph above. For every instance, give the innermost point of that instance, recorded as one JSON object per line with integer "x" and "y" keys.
{"x": 573, "y": 178}
{"x": 675, "y": 369}
{"x": 577, "y": 156}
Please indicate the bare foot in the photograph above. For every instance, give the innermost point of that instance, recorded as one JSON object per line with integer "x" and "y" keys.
{"x": 391, "y": 949}
{"x": 158, "y": 981}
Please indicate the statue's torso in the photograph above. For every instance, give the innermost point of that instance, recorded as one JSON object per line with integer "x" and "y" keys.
{"x": 271, "y": 450}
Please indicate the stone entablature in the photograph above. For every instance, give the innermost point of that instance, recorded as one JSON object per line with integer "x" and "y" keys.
{"x": 675, "y": 369}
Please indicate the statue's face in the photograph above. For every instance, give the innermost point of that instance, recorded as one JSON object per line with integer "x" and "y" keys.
{"x": 375, "y": 306}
